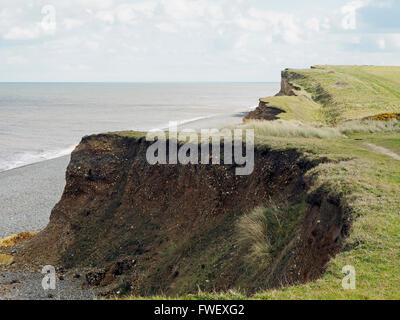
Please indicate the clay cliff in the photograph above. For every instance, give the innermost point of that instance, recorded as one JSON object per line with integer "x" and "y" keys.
{"x": 172, "y": 229}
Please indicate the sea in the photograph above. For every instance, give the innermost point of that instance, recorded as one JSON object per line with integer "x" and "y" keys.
{"x": 41, "y": 121}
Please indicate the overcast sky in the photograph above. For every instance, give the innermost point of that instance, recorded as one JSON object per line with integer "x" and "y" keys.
{"x": 191, "y": 40}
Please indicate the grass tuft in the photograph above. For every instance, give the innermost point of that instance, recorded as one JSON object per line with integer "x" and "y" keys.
{"x": 253, "y": 233}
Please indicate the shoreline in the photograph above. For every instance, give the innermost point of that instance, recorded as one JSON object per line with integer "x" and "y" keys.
{"x": 30, "y": 192}
{"x": 217, "y": 121}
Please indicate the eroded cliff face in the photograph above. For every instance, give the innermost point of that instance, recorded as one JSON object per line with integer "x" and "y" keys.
{"x": 266, "y": 111}
{"x": 171, "y": 228}
{"x": 287, "y": 88}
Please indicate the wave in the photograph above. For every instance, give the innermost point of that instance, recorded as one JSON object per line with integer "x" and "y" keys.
{"x": 29, "y": 158}
{"x": 252, "y": 108}
{"x": 182, "y": 122}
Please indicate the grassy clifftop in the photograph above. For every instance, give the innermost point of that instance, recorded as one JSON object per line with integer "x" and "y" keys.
{"x": 323, "y": 107}
{"x": 322, "y": 111}
{"x": 333, "y": 94}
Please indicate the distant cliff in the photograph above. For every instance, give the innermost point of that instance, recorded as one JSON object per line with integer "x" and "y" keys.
{"x": 333, "y": 94}
{"x": 265, "y": 111}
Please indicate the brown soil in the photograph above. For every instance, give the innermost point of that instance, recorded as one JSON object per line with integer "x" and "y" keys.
{"x": 171, "y": 228}
{"x": 287, "y": 88}
{"x": 264, "y": 112}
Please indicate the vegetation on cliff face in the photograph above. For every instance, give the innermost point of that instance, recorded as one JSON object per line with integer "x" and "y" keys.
{"x": 178, "y": 222}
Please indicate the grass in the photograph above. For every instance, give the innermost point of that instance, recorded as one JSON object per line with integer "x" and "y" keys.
{"x": 333, "y": 94}
{"x": 292, "y": 128}
{"x": 324, "y": 121}
{"x": 267, "y": 230}
{"x": 301, "y": 108}
{"x": 296, "y": 129}
{"x": 369, "y": 184}
{"x": 366, "y": 182}
{"x": 369, "y": 126}
{"x": 254, "y": 233}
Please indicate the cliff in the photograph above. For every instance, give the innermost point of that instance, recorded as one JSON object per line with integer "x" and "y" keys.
{"x": 173, "y": 228}
{"x": 266, "y": 111}
{"x": 333, "y": 94}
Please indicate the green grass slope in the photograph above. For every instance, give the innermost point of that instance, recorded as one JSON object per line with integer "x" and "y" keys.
{"x": 332, "y": 94}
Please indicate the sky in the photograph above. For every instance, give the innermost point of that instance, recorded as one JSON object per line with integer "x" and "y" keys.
{"x": 190, "y": 40}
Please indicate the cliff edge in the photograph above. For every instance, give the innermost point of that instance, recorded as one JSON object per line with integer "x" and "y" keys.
{"x": 174, "y": 229}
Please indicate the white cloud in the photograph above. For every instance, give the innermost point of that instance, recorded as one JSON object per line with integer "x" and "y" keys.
{"x": 184, "y": 9}
{"x": 215, "y": 11}
{"x": 20, "y": 33}
{"x": 92, "y": 45}
{"x": 279, "y": 24}
{"x": 77, "y": 67}
{"x": 268, "y": 39}
{"x": 291, "y": 32}
{"x": 167, "y": 27}
{"x": 242, "y": 42}
{"x": 97, "y": 4}
{"x": 382, "y": 43}
{"x": 251, "y": 24}
{"x": 395, "y": 38}
{"x": 313, "y": 24}
{"x": 389, "y": 41}
{"x": 70, "y": 23}
{"x": 106, "y": 16}
{"x": 145, "y": 9}
{"x": 126, "y": 13}
{"x": 205, "y": 33}
{"x": 16, "y": 60}
{"x": 326, "y": 24}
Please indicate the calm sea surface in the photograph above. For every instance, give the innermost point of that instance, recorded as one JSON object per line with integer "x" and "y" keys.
{"x": 40, "y": 121}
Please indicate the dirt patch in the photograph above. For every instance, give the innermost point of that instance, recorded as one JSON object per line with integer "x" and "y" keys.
{"x": 170, "y": 229}
{"x": 264, "y": 112}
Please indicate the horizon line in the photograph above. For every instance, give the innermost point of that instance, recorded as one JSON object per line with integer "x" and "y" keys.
{"x": 131, "y": 82}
